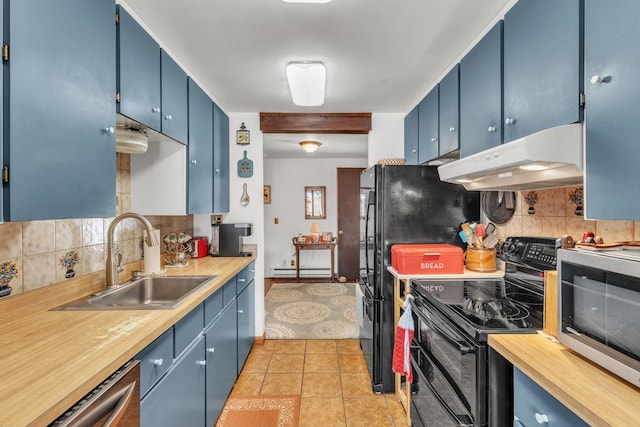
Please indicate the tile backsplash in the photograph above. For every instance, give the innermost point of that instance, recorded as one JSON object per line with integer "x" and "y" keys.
{"x": 48, "y": 252}
{"x": 557, "y": 212}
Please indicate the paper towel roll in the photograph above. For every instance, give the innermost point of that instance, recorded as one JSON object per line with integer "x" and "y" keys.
{"x": 151, "y": 255}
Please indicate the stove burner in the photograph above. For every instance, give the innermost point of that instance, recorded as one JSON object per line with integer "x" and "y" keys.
{"x": 498, "y": 313}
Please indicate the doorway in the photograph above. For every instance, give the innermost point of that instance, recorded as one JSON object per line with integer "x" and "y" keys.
{"x": 348, "y": 184}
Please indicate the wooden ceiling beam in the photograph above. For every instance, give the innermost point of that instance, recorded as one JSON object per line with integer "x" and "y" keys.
{"x": 351, "y": 123}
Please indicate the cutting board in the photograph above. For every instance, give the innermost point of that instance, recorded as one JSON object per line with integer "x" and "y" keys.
{"x": 245, "y": 167}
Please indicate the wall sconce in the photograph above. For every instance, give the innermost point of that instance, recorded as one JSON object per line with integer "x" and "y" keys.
{"x": 309, "y": 146}
{"x": 315, "y": 230}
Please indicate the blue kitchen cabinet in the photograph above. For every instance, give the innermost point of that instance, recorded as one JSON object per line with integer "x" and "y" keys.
{"x": 179, "y": 397}
{"x": 481, "y": 94}
{"x": 174, "y": 99}
{"x": 411, "y": 137}
{"x": 138, "y": 73}
{"x": 542, "y": 66}
{"x": 220, "y": 160}
{"x": 222, "y": 355}
{"x": 449, "y": 112}
{"x": 200, "y": 152}
{"x": 428, "y": 126}
{"x": 611, "y": 118}
{"x": 246, "y": 322}
{"x": 58, "y": 109}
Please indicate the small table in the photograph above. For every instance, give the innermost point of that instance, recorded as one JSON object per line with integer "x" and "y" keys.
{"x": 314, "y": 246}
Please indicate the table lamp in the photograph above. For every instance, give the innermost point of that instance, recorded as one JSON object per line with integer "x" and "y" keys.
{"x": 315, "y": 229}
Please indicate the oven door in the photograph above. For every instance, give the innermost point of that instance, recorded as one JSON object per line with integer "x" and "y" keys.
{"x": 451, "y": 365}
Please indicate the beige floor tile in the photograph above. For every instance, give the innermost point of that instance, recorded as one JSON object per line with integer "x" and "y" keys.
{"x": 367, "y": 412}
{"x": 286, "y": 363}
{"x": 248, "y": 385}
{"x": 349, "y": 346}
{"x": 356, "y": 384}
{"x": 352, "y": 363}
{"x": 290, "y": 346}
{"x": 321, "y": 363}
{"x": 322, "y": 412}
{"x": 321, "y": 347}
{"x": 282, "y": 384}
{"x": 266, "y": 347}
{"x": 321, "y": 385}
{"x": 398, "y": 413}
{"x": 256, "y": 363}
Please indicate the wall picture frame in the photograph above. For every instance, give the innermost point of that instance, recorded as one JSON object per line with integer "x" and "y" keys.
{"x": 243, "y": 135}
{"x": 266, "y": 193}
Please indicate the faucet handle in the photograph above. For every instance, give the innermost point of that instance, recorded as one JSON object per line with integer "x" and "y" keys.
{"x": 119, "y": 260}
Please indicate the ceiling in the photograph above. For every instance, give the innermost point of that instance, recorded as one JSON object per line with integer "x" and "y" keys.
{"x": 381, "y": 56}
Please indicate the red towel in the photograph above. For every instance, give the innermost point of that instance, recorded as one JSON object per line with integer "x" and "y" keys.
{"x": 402, "y": 344}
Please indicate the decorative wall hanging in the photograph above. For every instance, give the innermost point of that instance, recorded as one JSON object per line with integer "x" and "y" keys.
{"x": 68, "y": 261}
{"x": 242, "y": 135}
{"x": 244, "y": 199}
{"x": 266, "y": 192}
{"x": 8, "y": 271}
{"x": 532, "y": 198}
{"x": 576, "y": 198}
{"x": 314, "y": 203}
{"x": 245, "y": 167}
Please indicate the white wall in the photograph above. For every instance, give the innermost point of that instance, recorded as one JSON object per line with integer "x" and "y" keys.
{"x": 287, "y": 178}
{"x": 386, "y": 139}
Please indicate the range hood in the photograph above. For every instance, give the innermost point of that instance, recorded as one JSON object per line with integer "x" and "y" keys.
{"x": 549, "y": 158}
{"x": 131, "y": 139}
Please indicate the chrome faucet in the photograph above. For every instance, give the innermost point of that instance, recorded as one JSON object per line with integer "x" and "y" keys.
{"x": 111, "y": 269}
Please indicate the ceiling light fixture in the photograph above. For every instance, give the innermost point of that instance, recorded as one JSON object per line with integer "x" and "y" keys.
{"x": 306, "y": 83}
{"x": 309, "y": 146}
{"x": 306, "y": 1}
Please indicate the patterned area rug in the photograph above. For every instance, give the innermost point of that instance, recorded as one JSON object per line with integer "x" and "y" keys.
{"x": 260, "y": 411}
{"x": 311, "y": 311}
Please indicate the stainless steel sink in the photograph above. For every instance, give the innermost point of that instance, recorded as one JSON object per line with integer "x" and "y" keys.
{"x": 148, "y": 293}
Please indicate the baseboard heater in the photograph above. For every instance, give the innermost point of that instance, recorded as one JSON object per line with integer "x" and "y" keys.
{"x": 304, "y": 272}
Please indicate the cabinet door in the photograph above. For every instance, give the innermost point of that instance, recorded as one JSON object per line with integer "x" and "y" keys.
{"x": 481, "y": 94}
{"x": 200, "y": 158}
{"x": 612, "y": 87}
{"x": 449, "y": 112}
{"x": 59, "y": 113}
{"x": 411, "y": 137}
{"x": 222, "y": 358}
{"x": 178, "y": 399}
{"x": 220, "y": 160}
{"x": 138, "y": 72}
{"x": 428, "y": 126}
{"x": 174, "y": 99}
{"x": 542, "y": 66}
{"x": 246, "y": 323}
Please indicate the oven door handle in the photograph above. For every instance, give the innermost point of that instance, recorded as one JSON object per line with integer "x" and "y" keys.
{"x": 464, "y": 346}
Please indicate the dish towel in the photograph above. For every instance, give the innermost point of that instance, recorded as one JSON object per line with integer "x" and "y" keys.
{"x": 402, "y": 343}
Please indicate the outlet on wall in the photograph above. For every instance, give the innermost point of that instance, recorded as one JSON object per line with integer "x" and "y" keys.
{"x": 293, "y": 263}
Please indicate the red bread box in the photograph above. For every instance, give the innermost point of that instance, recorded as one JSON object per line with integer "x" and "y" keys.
{"x": 427, "y": 259}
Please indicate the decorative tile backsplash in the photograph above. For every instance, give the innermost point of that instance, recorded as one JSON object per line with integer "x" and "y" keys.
{"x": 47, "y": 252}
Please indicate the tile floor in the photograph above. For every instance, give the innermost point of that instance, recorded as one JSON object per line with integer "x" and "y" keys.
{"x": 331, "y": 377}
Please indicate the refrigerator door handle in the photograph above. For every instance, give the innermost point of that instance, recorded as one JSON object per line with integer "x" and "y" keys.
{"x": 366, "y": 241}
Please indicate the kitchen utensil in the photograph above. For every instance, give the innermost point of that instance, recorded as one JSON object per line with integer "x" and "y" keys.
{"x": 490, "y": 228}
{"x": 244, "y": 200}
{"x": 498, "y": 208}
{"x": 490, "y": 241}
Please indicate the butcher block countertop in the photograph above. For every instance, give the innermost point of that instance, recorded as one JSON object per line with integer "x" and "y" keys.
{"x": 597, "y": 396}
{"x": 50, "y": 359}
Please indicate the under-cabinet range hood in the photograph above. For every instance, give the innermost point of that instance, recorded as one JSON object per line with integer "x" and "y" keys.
{"x": 131, "y": 139}
{"x": 549, "y": 158}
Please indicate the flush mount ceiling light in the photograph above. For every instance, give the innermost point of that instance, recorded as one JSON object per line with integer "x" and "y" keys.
{"x": 306, "y": 83}
{"x": 306, "y": 1}
{"x": 309, "y": 146}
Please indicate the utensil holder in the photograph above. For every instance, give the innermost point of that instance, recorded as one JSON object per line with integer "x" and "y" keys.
{"x": 480, "y": 259}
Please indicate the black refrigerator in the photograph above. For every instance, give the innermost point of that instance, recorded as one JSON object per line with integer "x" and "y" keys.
{"x": 399, "y": 205}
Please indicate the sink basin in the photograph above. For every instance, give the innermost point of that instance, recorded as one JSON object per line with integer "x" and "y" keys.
{"x": 148, "y": 293}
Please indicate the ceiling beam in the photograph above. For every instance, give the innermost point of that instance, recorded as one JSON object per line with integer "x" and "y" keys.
{"x": 351, "y": 123}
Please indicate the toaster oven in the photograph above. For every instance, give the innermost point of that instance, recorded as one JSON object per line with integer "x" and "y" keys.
{"x": 598, "y": 306}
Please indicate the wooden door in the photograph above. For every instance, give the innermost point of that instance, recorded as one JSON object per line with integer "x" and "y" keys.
{"x": 348, "y": 222}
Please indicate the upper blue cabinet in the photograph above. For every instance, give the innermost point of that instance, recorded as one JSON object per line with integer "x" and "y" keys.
{"x": 449, "y": 112}
{"x": 200, "y": 159}
{"x": 481, "y": 94}
{"x": 428, "y": 126}
{"x": 174, "y": 99}
{"x": 220, "y": 160}
{"x": 58, "y": 109}
{"x": 542, "y": 65}
{"x": 411, "y": 137}
{"x": 612, "y": 61}
{"x": 138, "y": 73}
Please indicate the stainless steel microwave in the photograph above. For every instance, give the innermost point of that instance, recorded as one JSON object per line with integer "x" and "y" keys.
{"x": 599, "y": 308}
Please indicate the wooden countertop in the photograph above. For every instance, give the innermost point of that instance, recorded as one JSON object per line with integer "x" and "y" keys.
{"x": 50, "y": 359}
{"x": 597, "y": 396}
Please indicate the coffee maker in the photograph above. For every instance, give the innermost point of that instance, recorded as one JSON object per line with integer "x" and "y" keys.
{"x": 228, "y": 239}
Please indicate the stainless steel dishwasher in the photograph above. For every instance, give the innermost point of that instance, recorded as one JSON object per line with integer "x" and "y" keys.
{"x": 115, "y": 402}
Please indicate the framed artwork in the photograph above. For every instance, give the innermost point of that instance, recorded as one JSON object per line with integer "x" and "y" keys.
{"x": 314, "y": 203}
{"x": 242, "y": 135}
{"x": 266, "y": 194}
{"x": 327, "y": 237}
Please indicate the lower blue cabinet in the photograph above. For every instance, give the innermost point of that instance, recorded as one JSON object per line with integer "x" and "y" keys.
{"x": 246, "y": 323}
{"x": 178, "y": 399}
{"x": 220, "y": 339}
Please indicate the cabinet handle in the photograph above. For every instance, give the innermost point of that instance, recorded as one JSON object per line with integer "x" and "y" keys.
{"x": 110, "y": 129}
{"x": 242, "y": 280}
{"x": 240, "y": 311}
{"x": 158, "y": 362}
{"x": 596, "y": 80}
{"x": 414, "y": 151}
{"x": 542, "y": 418}
{"x": 434, "y": 139}
{"x": 168, "y": 117}
{"x": 452, "y": 129}
{"x": 211, "y": 350}
{"x": 492, "y": 129}
{"x": 252, "y": 271}
{"x": 509, "y": 121}
{"x": 194, "y": 162}
{"x": 217, "y": 170}
{"x": 155, "y": 109}
{"x": 201, "y": 362}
